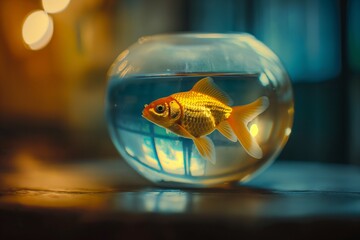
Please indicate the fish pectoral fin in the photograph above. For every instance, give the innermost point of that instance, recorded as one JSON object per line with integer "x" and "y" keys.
{"x": 208, "y": 87}
{"x": 206, "y": 148}
{"x": 204, "y": 145}
{"x": 225, "y": 129}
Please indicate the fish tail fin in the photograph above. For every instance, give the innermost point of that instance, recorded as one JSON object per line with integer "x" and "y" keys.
{"x": 239, "y": 119}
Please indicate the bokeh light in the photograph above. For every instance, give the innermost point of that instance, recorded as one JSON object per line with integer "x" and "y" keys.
{"x": 55, "y": 6}
{"x": 37, "y": 30}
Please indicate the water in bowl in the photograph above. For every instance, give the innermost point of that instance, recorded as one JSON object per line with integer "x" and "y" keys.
{"x": 164, "y": 157}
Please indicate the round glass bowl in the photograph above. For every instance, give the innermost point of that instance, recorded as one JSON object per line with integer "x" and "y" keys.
{"x": 161, "y": 65}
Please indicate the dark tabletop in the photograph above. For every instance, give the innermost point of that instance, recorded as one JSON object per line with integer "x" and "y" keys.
{"x": 107, "y": 200}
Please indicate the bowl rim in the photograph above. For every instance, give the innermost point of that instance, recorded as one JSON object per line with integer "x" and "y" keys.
{"x": 209, "y": 35}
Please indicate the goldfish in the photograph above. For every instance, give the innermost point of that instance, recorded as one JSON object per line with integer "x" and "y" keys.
{"x": 197, "y": 113}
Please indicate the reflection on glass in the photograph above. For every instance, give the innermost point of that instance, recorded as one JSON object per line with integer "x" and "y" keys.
{"x": 264, "y": 79}
{"x": 254, "y": 130}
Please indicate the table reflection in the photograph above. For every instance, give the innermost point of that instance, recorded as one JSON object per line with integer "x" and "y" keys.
{"x": 112, "y": 187}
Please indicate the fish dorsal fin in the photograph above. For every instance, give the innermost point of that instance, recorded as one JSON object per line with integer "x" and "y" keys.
{"x": 208, "y": 87}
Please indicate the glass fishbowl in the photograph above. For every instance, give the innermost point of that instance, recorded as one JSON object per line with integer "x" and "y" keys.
{"x": 237, "y": 69}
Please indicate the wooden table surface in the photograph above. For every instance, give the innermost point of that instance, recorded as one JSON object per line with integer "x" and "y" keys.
{"x": 107, "y": 200}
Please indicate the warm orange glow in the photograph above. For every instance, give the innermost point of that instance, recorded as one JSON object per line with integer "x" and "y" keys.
{"x": 32, "y": 173}
{"x": 37, "y": 30}
{"x": 55, "y": 6}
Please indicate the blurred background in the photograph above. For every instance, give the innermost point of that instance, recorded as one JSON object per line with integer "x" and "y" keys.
{"x": 53, "y": 69}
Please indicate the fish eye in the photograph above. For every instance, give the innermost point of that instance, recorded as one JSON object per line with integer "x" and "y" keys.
{"x": 160, "y": 108}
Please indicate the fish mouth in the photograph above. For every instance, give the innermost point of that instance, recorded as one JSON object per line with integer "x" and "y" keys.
{"x": 145, "y": 114}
